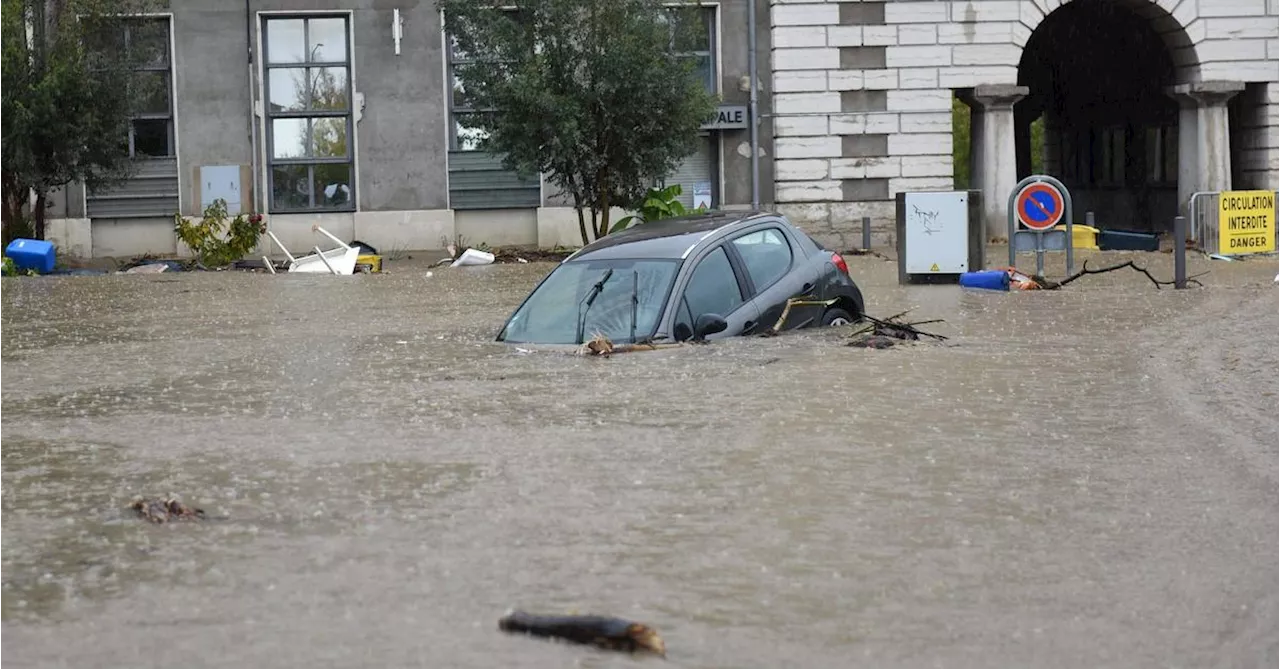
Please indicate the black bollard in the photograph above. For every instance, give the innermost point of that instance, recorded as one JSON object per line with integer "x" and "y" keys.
{"x": 866, "y": 233}
{"x": 1180, "y": 252}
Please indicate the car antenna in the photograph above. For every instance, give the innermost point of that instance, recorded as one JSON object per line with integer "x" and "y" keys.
{"x": 635, "y": 301}
{"x": 590, "y": 299}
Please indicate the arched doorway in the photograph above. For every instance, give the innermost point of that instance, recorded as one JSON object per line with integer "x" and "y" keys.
{"x": 1099, "y": 73}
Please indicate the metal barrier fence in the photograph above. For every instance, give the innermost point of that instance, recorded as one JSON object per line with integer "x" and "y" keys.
{"x": 1202, "y": 214}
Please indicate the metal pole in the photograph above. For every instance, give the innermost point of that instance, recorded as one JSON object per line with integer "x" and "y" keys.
{"x": 754, "y": 105}
{"x": 866, "y": 233}
{"x": 1088, "y": 219}
{"x": 1040, "y": 253}
{"x": 1180, "y": 252}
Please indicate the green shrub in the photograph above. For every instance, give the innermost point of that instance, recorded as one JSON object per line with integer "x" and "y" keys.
{"x": 206, "y": 240}
{"x": 659, "y": 203}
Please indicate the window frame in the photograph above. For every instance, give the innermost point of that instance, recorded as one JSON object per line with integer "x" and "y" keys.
{"x": 455, "y": 111}
{"x": 754, "y": 289}
{"x": 709, "y": 15}
{"x": 124, "y": 25}
{"x": 451, "y": 61}
{"x": 269, "y": 116}
{"x": 739, "y": 276}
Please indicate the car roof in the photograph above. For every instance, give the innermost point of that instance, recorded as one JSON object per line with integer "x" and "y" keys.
{"x": 665, "y": 238}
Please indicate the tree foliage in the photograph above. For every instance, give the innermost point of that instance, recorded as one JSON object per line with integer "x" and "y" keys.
{"x": 594, "y": 94}
{"x": 68, "y": 96}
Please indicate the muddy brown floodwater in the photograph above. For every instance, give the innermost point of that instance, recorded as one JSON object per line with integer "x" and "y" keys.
{"x": 1080, "y": 478}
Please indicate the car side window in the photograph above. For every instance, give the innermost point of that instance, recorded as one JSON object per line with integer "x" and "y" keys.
{"x": 766, "y": 254}
{"x": 712, "y": 289}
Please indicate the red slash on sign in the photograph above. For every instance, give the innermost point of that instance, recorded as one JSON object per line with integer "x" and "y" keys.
{"x": 1039, "y": 206}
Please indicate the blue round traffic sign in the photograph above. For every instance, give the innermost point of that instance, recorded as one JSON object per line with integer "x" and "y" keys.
{"x": 1039, "y": 206}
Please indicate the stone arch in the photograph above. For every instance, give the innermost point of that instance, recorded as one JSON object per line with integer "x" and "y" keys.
{"x": 1096, "y": 76}
{"x": 1168, "y": 18}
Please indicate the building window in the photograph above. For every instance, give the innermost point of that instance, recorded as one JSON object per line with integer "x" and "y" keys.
{"x": 309, "y": 123}
{"x": 145, "y": 41}
{"x": 465, "y": 133}
{"x": 701, "y": 43}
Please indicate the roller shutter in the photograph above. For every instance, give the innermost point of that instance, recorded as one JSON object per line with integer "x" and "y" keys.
{"x": 693, "y": 170}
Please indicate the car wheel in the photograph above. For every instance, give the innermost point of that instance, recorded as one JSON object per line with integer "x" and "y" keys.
{"x": 836, "y": 317}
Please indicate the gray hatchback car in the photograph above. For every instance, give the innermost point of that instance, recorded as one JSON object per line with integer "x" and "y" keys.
{"x": 705, "y": 276}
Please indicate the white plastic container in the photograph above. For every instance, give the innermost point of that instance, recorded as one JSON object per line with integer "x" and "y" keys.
{"x": 473, "y": 257}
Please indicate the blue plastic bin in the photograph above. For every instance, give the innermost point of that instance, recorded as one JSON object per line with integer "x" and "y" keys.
{"x": 31, "y": 254}
{"x": 989, "y": 280}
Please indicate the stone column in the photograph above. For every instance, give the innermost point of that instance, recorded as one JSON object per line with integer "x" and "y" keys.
{"x": 1204, "y": 137}
{"x": 994, "y": 153}
{"x": 1188, "y": 167}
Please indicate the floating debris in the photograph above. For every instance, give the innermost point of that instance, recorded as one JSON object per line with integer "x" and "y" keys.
{"x": 600, "y": 631}
{"x": 163, "y": 510}
{"x": 597, "y": 345}
{"x": 877, "y": 333}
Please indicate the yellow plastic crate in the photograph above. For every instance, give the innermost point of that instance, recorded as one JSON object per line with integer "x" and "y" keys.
{"x": 374, "y": 263}
{"x": 1082, "y": 236}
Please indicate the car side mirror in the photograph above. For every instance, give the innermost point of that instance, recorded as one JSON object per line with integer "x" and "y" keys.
{"x": 708, "y": 324}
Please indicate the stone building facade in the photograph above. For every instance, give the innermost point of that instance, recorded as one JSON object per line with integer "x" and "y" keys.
{"x": 1139, "y": 104}
{"x": 863, "y": 97}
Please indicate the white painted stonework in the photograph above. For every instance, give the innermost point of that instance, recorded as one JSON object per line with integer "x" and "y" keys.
{"x": 934, "y": 47}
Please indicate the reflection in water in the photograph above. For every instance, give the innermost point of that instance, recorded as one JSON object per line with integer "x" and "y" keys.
{"x": 1048, "y": 490}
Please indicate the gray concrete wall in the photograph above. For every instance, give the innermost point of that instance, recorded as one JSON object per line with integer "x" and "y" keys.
{"x": 736, "y": 147}
{"x": 211, "y": 90}
{"x": 400, "y": 137}
{"x": 403, "y": 135}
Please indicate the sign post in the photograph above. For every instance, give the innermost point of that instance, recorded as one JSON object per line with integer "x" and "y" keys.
{"x": 1038, "y": 203}
{"x": 1246, "y": 222}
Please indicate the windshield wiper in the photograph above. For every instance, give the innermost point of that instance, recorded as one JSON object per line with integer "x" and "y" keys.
{"x": 590, "y": 299}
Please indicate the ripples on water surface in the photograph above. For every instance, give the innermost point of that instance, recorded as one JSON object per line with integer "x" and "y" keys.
{"x": 1080, "y": 478}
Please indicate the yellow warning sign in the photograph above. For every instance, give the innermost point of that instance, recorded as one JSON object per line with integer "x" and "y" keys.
{"x": 1246, "y": 222}
{"x": 934, "y": 268}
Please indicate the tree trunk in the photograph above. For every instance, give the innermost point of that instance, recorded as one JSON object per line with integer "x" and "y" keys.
{"x": 604, "y": 211}
{"x": 582, "y": 222}
{"x": 37, "y": 215}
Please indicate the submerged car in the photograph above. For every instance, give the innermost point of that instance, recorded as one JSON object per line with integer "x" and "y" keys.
{"x": 704, "y": 276}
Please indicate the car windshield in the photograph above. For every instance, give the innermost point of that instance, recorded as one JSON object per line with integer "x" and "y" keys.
{"x": 550, "y": 314}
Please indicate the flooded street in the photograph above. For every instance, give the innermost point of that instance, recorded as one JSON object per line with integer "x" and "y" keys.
{"x": 1079, "y": 478}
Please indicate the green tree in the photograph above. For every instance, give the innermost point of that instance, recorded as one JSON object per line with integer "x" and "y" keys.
{"x": 68, "y": 96}
{"x": 595, "y": 94}
{"x": 960, "y": 143}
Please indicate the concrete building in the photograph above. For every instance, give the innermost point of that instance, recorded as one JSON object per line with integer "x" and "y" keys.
{"x": 1142, "y": 103}
{"x": 377, "y": 147}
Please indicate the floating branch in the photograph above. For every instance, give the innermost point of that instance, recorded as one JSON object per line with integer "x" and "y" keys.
{"x": 1046, "y": 284}
{"x": 599, "y": 631}
{"x": 878, "y": 333}
{"x": 601, "y": 346}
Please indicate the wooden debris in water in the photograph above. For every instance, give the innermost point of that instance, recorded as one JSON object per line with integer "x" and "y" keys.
{"x": 1046, "y": 284}
{"x": 163, "y": 510}
{"x": 597, "y": 345}
{"x": 603, "y": 632}
{"x": 877, "y": 333}
{"x": 786, "y": 311}
{"x": 601, "y": 346}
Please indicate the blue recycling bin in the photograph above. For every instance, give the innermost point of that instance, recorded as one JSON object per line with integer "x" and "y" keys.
{"x": 988, "y": 280}
{"x": 31, "y": 254}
